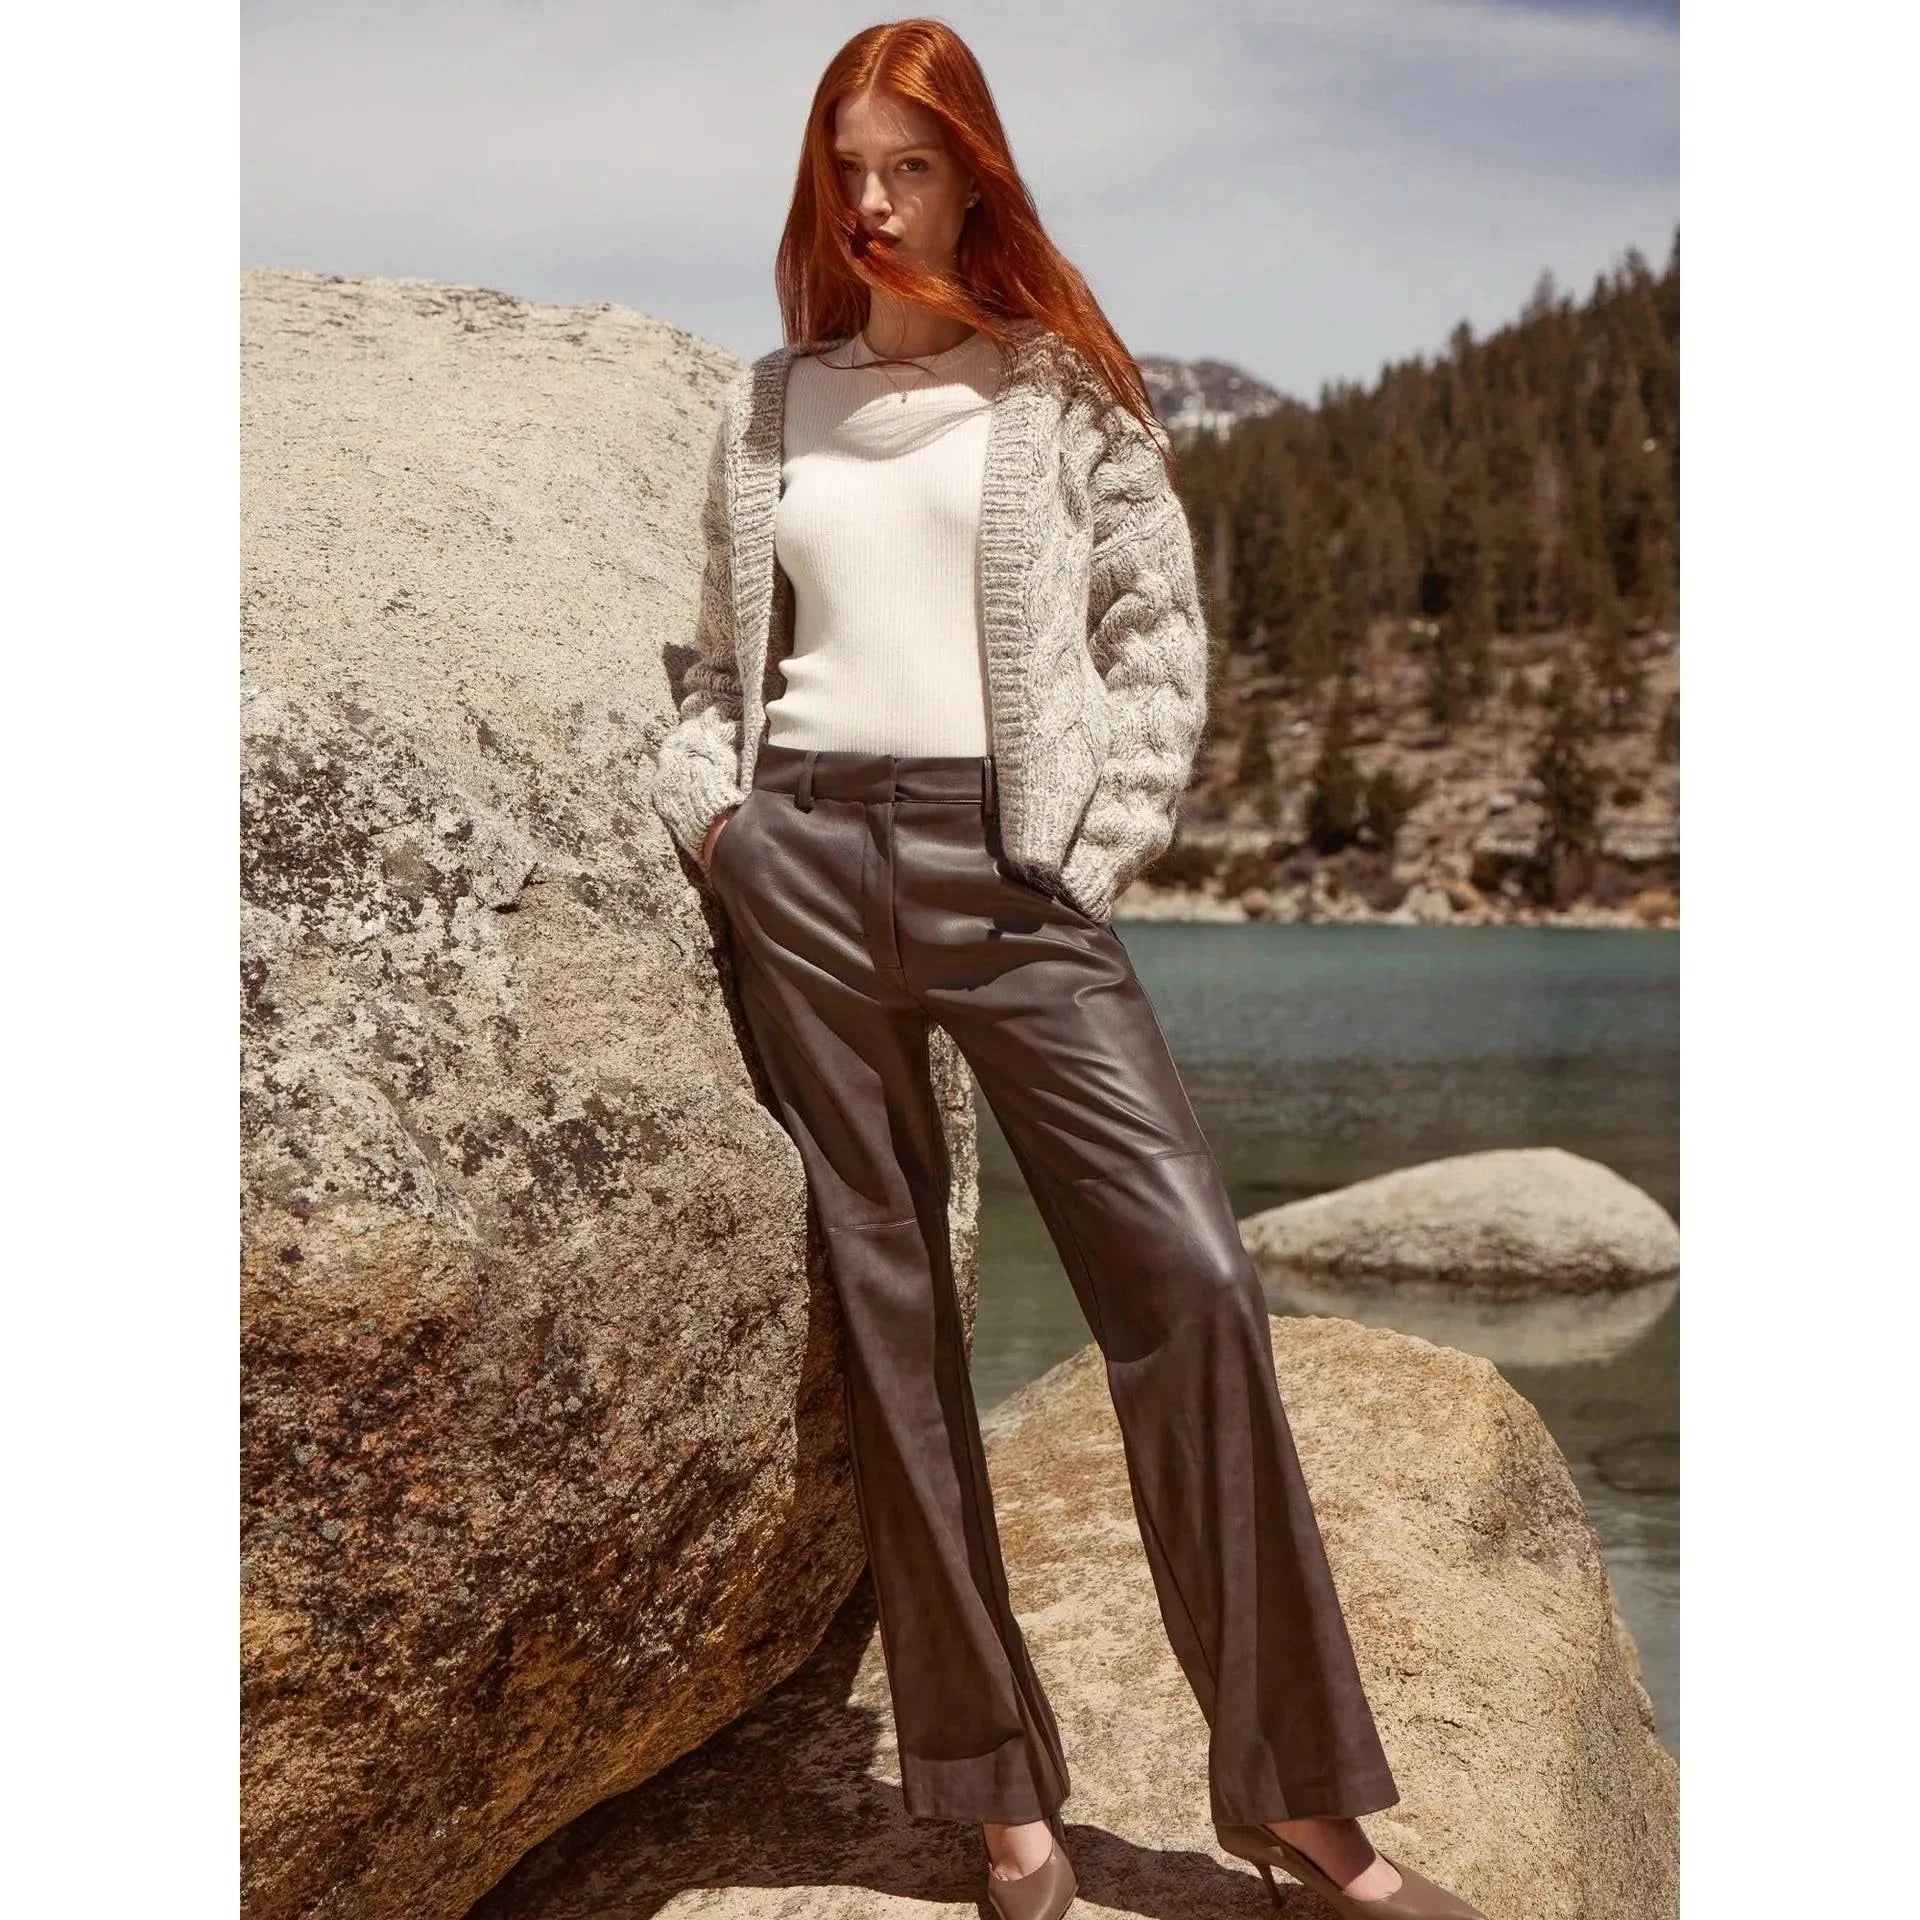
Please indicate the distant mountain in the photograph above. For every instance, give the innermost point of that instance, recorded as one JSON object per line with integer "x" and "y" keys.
{"x": 1190, "y": 395}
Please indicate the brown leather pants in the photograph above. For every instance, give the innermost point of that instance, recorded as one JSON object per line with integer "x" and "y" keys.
{"x": 868, "y": 898}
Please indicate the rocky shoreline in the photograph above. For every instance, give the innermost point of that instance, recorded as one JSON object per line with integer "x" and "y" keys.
{"x": 1428, "y": 905}
{"x": 1469, "y": 836}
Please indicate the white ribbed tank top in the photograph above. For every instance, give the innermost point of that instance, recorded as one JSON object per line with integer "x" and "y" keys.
{"x": 877, "y": 530}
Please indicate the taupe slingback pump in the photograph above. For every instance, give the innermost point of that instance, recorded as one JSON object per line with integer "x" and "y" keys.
{"x": 1416, "y": 1897}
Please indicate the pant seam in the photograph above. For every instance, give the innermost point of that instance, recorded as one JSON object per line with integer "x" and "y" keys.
{"x": 1028, "y": 1693}
{"x": 893, "y": 893}
{"x": 1166, "y": 1153}
{"x": 1039, "y": 1751}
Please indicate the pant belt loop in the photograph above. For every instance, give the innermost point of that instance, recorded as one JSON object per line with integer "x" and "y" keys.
{"x": 804, "y": 798}
{"x": 989, "y": 799}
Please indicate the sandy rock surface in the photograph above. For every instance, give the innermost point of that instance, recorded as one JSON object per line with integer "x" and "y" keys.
{"x": 1506, "y": 1688}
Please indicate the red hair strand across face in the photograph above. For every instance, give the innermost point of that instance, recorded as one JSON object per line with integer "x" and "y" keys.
{"x": 1006, "y": 269}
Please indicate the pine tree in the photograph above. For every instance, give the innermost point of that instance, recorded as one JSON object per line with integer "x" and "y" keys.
{"x": 1385, "y": 802}
{"x": 1631, "y": 483}
{"x": 1570, "y": 800}
{"x": 1618, "y": 673}
{"x": 1666, "y": 739}
{"x": 1335, "y": 806}
{"x": 1253, "y": 772}
{"x": 1589, "y": 564}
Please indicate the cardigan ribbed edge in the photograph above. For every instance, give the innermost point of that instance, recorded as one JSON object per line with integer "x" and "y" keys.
{"x": 1094, "y": 633}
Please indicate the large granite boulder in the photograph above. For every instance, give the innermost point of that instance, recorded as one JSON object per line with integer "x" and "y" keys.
{"x": 542, "y": 1455}
{"x": 1515, "y": 1219}
{"x": 1507, "y": 1690}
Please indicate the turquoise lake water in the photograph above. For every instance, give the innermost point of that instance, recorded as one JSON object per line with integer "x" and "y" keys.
{"x": 1319, "y": 1055}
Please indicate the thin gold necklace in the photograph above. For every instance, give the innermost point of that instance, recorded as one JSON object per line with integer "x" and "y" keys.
{"x": 885, "y": 374}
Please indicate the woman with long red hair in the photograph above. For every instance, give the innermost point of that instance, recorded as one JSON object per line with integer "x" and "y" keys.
{"x": 949, "y": 684}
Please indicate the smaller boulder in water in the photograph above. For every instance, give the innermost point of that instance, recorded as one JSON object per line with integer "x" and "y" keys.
{"x": 1516, "y": 1219}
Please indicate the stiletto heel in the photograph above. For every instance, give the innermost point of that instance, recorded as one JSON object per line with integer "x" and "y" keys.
{"x": 1273, "y": 1885}
{"x": 1416, "y": 1897}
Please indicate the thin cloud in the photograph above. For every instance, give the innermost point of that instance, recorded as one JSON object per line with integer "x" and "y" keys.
{"x": 1307, "y": 187}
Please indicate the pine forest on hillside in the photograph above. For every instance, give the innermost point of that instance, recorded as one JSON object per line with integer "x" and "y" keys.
{"x": 1444, "y": 614}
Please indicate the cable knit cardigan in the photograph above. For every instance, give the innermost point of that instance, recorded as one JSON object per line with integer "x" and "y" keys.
{"x": 1096, "y": 641}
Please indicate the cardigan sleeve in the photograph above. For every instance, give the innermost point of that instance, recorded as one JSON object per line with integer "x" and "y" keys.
{"x": 1148, "y": 637}
{"x": 697, "y": 774}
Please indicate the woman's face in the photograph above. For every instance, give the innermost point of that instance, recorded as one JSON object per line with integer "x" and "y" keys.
{"x": 900, "y": 177}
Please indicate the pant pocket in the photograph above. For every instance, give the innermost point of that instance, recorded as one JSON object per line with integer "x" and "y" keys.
{"x": 723, "y": 848}
{"x": 1018, "y": 884}
{"x": 1032, "y": 890}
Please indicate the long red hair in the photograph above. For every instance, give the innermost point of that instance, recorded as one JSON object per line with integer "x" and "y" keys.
{"x": 1007, "y": 267}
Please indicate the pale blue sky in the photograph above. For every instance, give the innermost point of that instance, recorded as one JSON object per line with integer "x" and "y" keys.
{"x": 1306, "y": 187}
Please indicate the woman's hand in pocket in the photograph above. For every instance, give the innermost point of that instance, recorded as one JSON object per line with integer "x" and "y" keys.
{"x": 714, "y": 830}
